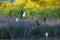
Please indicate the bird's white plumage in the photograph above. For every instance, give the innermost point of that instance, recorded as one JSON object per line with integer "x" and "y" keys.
{"x": 46, "y": 34}
{"x": 24, "y": 14}
{"x": 17, "y": 19}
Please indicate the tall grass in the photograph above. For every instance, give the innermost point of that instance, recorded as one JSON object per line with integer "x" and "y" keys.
{"x": 26, "y": 29}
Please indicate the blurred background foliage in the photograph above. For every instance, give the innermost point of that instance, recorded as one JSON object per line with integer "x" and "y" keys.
{"x": 33, "y": 8}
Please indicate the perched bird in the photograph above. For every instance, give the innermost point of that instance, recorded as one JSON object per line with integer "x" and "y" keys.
{"x": 46, "y": 34}
{"x": 24, "y": 14}
{"x": 44, "y": 19}
{"x": 17, "y": 19}
{"x": 37, "y": 22}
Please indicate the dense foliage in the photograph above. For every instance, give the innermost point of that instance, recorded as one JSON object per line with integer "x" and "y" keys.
{"x": 33, "y": 8}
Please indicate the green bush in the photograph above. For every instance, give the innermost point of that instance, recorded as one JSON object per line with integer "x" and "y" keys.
{"x": 38, "y": 13}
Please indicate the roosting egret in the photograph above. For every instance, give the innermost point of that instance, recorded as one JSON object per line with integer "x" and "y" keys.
{"x": 17, "y": 19}
{"x": 46, "y": 34}
{"x": 24, "y": 14}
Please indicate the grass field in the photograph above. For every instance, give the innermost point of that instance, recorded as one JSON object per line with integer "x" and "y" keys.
{"x": 28, "y": 29}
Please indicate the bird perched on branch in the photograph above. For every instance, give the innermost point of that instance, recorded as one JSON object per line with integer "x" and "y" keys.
{"x": 37, "y": 22}
{"x": 24, "y": 14}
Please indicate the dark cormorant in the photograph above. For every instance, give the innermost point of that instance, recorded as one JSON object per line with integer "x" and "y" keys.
{"x": 44, "y": 19}
{"x": 37, "y": 22}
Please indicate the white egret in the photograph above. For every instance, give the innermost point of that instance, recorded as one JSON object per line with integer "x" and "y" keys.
{"x": 17, "y": 19}
{"x": 46, "y": 34}
{"x": 24, "y": 14}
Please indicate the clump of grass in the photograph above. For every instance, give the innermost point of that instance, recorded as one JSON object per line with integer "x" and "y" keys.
{"x": 22, "y": 29}
{"x": 4, "y": 34}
